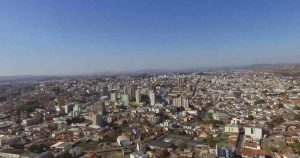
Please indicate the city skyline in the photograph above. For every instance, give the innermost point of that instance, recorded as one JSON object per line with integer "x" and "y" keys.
{"x": 76, "y": 37}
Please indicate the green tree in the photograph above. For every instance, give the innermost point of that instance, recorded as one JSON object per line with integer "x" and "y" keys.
{"x": 182, "y": 146}
{"x": 297, "y": 117}
{"x": 250, "y": 117}
{"x": 296, "y": 147}
{"x": 280, "y": 105}
{"x": 38, "y": 148}
{"x": 164, "y": 154}
{"x": 297, "y": 108}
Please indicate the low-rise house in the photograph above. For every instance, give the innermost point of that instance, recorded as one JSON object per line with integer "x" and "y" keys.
{"x": 187, "y": 153}
{"x": 231, "y": 129}
{"x": 219, "y": 116}
{"x": 60, "y": 148}
{"x": 252, "y": 145}
{"x": 123, "y": 141}
{"x": 159, "y": 145}
{"x": 138, "y": 155}
{"x": 17, "y": 153}
{"x": 253, "y": 132}
{"x": 31, "y": 121}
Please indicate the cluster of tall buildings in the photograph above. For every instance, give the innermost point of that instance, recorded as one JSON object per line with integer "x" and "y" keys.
{"x": 181, "y": 102}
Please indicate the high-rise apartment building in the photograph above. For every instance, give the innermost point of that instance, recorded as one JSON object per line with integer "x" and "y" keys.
{"x": 138, "y": 97}
{"x": 152, "y": 98}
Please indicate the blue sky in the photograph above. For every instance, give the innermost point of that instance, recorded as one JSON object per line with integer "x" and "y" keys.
{"x": 63, "y": 37}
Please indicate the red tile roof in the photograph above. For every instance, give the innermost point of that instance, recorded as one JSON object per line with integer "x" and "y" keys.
{"x": 295, "y": 101}
{"x": 248, "y": 152}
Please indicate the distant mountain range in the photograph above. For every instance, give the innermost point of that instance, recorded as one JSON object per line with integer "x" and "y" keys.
{"x": 26, "y": 78}
{"x": 285, "y": 69}
{"x": 271, "y": 66}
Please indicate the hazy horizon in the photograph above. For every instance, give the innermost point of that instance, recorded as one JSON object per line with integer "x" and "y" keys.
{"x": 70, "y": 37}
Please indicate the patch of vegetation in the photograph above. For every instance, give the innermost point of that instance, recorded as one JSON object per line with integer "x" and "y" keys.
{"x": 215, "y": 123}
{"x": 89, "y": 145}
{"x": 28, "y": 107}
{"x": 212, "y": 141}
{"x": 38, "y": 148}
{"x": 145, "y": 98}
{"x": 182, "y": 133}
{"x": 297, "y": 108}
{"x": 107, "y": 139}
{"x": 250, "y": 117}
{"x": 280, "y": 149}
{"x": 146, "y": 122}
{"x": 276, "y": 121}
{"x": 179, "y": 109}
{"x": 296, "y": 147}
{"x": 297, "y": 117}
{"x": 260, "y": 101}
{"x": 3, "y": 99}
{"x": 66, "y": 155}
{"x": 17, "y": 146}
{"x": 182, "y": 146}
{"x": 164, "y": 153}
{"x": 208, "y": 116}
{"x": 209, "y": 120}
{"x": 75, "y": 120}
{"x": 280, "y": 105}
{"x": 148, "y": 139}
